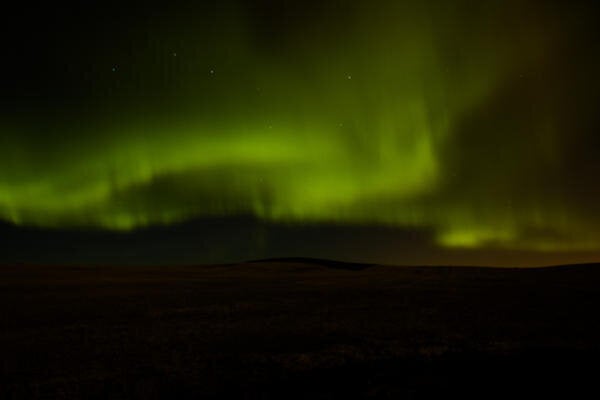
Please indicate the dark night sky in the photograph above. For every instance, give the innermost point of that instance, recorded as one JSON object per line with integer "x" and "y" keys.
{"x": 417, "y": 132}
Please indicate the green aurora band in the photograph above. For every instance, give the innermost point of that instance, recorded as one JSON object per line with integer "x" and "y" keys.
{"x": 394, "y": 115}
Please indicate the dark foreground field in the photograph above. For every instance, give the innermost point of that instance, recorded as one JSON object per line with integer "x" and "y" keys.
{"x": 293, "y": 329}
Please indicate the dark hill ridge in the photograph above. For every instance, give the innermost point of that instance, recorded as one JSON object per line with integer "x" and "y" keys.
{"x": 316, "y": 261}
{"x": 355, "y": 266}
{"x": 589, "y": 267}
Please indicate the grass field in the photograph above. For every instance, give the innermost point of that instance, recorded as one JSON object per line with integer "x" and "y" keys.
{"x": 298, "y": 329}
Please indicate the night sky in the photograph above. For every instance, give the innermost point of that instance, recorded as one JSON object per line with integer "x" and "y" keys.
{"x": 404, "y": 132}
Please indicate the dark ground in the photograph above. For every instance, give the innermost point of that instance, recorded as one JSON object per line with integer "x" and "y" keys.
{"x": 297, "y": 329}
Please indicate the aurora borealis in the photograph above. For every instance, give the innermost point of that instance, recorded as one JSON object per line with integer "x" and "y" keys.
{"x": 477, "y": 122}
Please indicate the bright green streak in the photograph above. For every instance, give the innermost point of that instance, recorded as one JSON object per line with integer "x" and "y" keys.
{"x": 307, "y": 174}
{"x": 354, "y": 133}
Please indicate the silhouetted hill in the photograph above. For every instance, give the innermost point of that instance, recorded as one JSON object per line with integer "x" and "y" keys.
{"x": 588, "y": 268}
{"x": 317, "y": 261}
